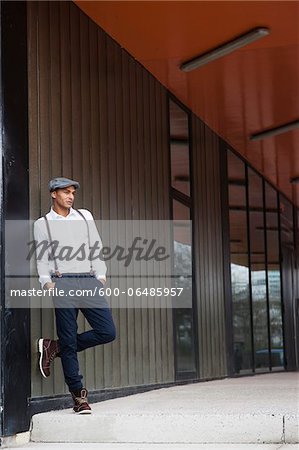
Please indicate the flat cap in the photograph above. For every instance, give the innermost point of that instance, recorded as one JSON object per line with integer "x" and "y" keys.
{"x": 61, "y": 182}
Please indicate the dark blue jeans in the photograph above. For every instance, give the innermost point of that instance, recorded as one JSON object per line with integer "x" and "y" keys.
{"x": 96, "y": 311}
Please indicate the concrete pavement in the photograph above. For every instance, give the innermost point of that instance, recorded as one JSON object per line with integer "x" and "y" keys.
{"x": 130, "y": 446}
{"x": 253, "y": 410}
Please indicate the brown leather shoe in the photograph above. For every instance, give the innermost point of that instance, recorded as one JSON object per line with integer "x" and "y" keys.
{"x": 81, "y": 405}
{"x": 48, "y": 350}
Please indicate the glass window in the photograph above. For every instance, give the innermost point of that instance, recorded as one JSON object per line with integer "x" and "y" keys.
{"x": 182, "y": 233}
{"x": 256, "y": 268}
{"x": 239, "y": 265}
{"x": 274, "y": 278}
{"x": 179, "y": 148}
{"x": 258, "y": 271}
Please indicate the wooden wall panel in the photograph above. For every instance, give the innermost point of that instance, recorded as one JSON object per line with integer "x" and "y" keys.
{"x": 97, "y": 116}
{"x": 208, "y": 251}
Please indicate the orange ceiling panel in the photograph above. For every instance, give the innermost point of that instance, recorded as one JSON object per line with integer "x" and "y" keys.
{"x": 249, "y": 90}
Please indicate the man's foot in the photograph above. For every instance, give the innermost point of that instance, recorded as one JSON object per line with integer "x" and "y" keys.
{"x": 81, "y": 405}
{"x": 48, "y": 350}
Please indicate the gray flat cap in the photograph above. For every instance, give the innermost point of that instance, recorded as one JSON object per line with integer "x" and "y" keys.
{"x": 59, "y": 183}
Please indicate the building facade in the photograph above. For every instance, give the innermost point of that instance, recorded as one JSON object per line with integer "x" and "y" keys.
{"x": 75, "y": 103}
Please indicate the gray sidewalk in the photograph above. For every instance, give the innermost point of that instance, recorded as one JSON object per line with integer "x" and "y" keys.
{"x": 130, "y": 446}
{"x": 247, "y": 410}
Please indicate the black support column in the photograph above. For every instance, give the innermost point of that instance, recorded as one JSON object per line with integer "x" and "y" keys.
{"x": 14, "y": 204}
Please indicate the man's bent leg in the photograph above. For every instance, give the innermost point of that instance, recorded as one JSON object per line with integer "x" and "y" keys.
{"x": 96, "y": 310}
{"x": 103, "y": 328}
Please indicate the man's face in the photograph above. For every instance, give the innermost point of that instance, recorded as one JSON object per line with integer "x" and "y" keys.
{"x": 64, "y": 198}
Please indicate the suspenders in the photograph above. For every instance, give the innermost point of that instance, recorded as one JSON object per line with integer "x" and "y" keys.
{"x": 57, "y": 273}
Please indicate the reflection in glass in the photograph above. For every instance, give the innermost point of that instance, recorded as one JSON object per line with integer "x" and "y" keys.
{"x": 239, "y": 265}
{"x": 265, "y": 269}
{"x": 179, "y": 148}
{"x": 274, "y": 282}
{"x": 258, "y": 271}
{"x": 183, "y": 279}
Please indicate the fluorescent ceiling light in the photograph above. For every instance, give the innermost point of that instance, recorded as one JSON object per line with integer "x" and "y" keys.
{"x": 274, "y": 131}
{"x": 225, "y": 49}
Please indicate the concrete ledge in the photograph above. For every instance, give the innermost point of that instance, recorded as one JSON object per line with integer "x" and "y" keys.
{"x": 291, "y": 428}
{"x": 130, "y": 446}
{"x": 251, "y": 410}
{"x": 160, "y": 428}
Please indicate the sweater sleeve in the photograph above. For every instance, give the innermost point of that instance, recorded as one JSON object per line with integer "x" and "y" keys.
{"x": 42, "y": 260}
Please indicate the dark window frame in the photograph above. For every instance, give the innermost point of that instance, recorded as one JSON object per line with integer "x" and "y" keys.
{"x": 187, "y": 201}
{"x": 227, "y": 274}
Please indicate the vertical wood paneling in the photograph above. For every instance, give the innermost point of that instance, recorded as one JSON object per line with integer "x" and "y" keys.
{"x": 94, "y": 162}
{"x": 210, "y": 247}
{"x": 102, "y": 198}
{"x": 65, "y": 80}
{"x": 198, "y": 236}
{"x": 160, "y": 213}
{"x": 165, "y": 162}
{"x": 134, "y": 314}
{"x": 119, "y": 200}
{"x": 142, "y": 210}
{"x": 79, "y": 133}
{"x": 110, "y": 358}
{"x": 208, "y": 251}
{"x": 128, "y": 160}
{"x": 76, "y": 97}
{"x": 87, "y": 357}
{"x": 55, "y": 89}
{"x": 47, "y": 322}
{"x": 99, "y": 117}
{"x": 34, "y": 164}
{"x": 149, "y": 212}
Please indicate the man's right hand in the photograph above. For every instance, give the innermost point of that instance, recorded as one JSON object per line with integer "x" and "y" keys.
{"x": 48, "y": 286}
